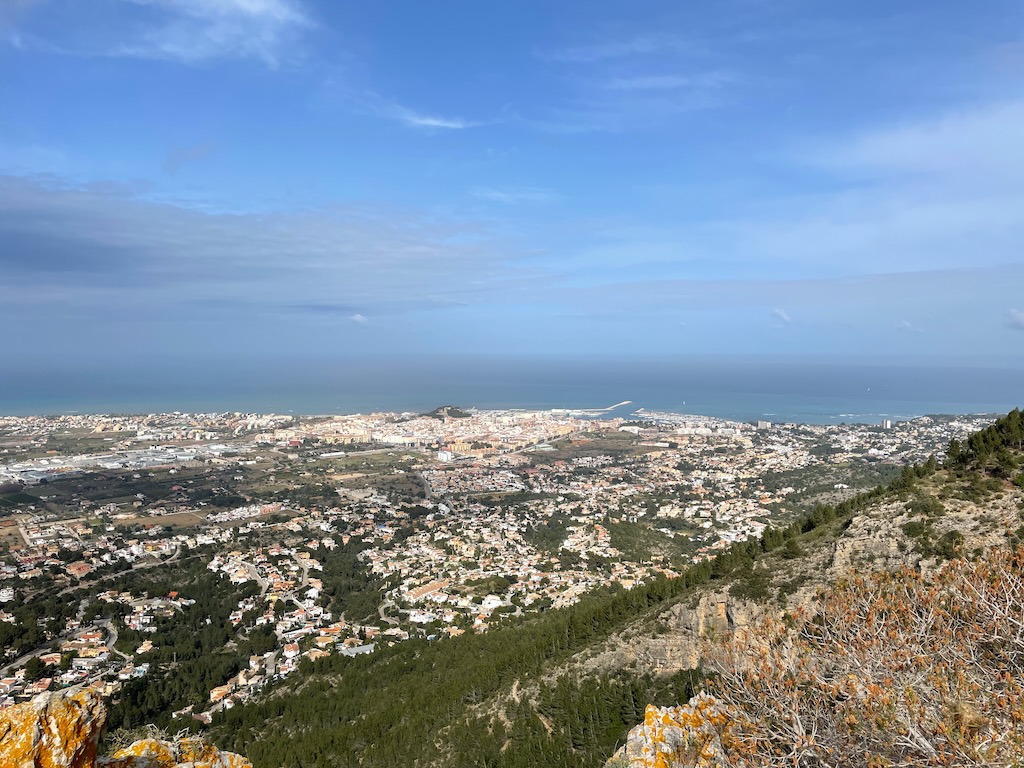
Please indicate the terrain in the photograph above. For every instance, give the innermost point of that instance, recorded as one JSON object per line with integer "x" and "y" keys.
{"x": 305, "y": 606}
{"x": 562, "y": 689}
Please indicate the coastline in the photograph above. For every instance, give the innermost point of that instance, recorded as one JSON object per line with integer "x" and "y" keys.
{"x": 812, "y": 393}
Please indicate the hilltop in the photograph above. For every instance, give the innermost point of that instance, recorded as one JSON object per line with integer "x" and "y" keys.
{"x": 447, "y": 412}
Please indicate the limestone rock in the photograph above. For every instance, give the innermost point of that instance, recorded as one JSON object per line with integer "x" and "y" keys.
{"x": 694, "y": 735}
{"x": 716, "y": 614}
{"x": 179, "y": 753}
{"x": 54, "y": 730}
{"x": 62, "y": 730}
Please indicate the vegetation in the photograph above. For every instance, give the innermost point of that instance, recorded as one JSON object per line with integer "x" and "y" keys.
{"x": 36, "y": 621}
{"x": 388, "y": 708}
{"x": 895, "y": 669}
{"x": 548, "y": 536}
{"x": 440, "y": 703}
{"x": 504, "y": 698}
{"x": 448, "y": 411}
{"x": 190, "y": 656}
{"x": 991, "y": 448}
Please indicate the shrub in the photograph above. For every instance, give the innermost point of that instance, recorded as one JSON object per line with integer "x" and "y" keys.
{"x": 894, "y": 669}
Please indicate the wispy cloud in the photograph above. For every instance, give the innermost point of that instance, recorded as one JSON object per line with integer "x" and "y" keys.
{"x": 781, "y": 316}
{"x": 186, "y": 31}
{"x": 1015, "y": 320}
{"x": 514, "y": 195}
{"x": 598, "y": 108}
{"x": 197, "y": 30}
{"x": 982, "y": 141}
{"x": 30, "y": 158}
{"x": 883, "y": 207}
{"x": 634, "y": 82}
{"x": 714, "y": 79}
{"x": 417, "y": 119}
{"x": 336, "y": 93}
{"x": 10, "y": 10}
{"x": 180, "y": 156}
{"x": 102, "y": 247}
{"x": 604, "y": 50}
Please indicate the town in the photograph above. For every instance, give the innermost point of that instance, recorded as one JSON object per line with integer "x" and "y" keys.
{"x": 283, "y": 539}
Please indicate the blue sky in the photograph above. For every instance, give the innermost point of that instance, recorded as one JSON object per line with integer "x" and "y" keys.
{"x": 212, "y": 180}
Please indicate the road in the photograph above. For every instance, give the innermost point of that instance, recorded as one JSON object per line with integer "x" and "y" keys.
{"x": 44, "y": 647}
{"x": 136, "y": 566}
{"x": 111, "y": 628}
{"x": 254, "y": 572}
{"x": 380, "y": 612}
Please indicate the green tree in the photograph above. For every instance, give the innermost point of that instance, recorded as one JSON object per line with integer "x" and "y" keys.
{"x": 34, "y": 669}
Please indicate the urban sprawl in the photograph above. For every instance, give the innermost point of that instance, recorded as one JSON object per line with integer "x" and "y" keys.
{"x": 458, "y": 520}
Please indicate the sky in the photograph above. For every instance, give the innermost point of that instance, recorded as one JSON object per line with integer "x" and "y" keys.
{"x": 196, "y": 182}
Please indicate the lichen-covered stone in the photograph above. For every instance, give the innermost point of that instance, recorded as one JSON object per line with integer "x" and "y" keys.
{"x": 690, "y": 736}
{"x": 62, "y": 730}
{"x": 146, "y": 753}
{"x": 54, "y": 730}
{"x": 179, "y": 753}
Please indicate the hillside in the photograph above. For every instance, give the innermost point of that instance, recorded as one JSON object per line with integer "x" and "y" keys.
{"x": 563, "y": 689}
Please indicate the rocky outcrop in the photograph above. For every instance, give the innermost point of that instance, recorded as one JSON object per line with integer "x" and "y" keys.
{"x": 880, "y": 539}
{"x": 715, "y": 614}
{"x": 871, "y": 542}
{"x": 695, "y": 735}
{"x": 890, "y": 534}
{"x": 182, "y": 753}
{"x": 62, "y": 730}
{"x": 54, "y": 730}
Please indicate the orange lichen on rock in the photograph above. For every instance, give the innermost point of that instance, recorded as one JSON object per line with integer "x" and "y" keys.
{"x": 179, "y": 753}
{"x": 693, "y": 735}
{"x": 54, "y": 730}
{"x": 62, "y": 730}
{"x": 147, "y": 753}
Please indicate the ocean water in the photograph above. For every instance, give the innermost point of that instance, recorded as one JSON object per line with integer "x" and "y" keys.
{"x": 744, "y": 390}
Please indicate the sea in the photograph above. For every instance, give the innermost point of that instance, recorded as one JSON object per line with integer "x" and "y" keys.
{"x": 750, "y": 389}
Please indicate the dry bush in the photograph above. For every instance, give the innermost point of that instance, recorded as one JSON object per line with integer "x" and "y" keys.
{"x": 894, "y": 669}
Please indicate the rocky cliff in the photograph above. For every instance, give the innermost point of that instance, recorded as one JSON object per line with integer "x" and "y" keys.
{"x": 918, "y": 529}
{"x": 888, "y": 535}
{"x": 62, "y": 730}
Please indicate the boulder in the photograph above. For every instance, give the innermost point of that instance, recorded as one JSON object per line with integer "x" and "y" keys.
{"x": 55, "y": 730}
{"x": 695, "y": 735}
{"x": 62, "y": 730}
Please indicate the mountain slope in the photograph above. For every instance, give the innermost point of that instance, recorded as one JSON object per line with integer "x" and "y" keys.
{"x": 564, "y": 688}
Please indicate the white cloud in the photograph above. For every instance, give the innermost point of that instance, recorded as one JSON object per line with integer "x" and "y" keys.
{"x": 514, "y": 195}
{"x": 278, "y": 10}
{"x": 1015, "y": 320}
{"x": 781, "y": 316}
{"x": 670, "y": 82}
{"x": 96, "y": 246}
{"x": 341, "y": 93}
{"x": 944, "y": 193}
{"x": 31, "y": 158}
{"x": 177, "y": 157}
{"x": 193, "y": 31}
{"x": 981, "y": 142}
{"x": 603, "y": 50}
{"x": 421, "y": 120}
{"x": 632, "y": 83}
